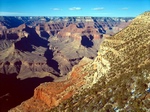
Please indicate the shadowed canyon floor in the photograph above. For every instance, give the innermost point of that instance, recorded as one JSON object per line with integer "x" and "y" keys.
{"x": 14, "y": 91}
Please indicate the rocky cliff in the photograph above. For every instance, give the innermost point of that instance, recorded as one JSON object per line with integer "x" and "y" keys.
{"x": 49, "y": 95}
{"x": 122, "y": 73}
{"x": 117, "y": 80}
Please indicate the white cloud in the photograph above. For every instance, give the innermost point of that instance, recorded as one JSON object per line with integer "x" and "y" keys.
{"x": 56, "y": 9}
{"x": 75, "y": 8}
{"x": 10, "y": 13}
{"x": 98, "y": 8}
{"x": 125, "y": 8}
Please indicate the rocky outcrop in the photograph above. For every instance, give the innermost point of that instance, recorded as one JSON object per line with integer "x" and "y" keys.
{"x": 49, "y": 95}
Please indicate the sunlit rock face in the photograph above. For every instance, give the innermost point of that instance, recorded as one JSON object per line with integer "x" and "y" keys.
{"x": 49, "y": 95}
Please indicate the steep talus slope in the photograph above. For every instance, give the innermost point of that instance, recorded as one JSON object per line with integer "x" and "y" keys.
{"x": 123, "y": 73}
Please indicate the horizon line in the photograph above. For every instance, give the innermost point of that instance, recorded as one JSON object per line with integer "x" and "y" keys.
{"x": 64, "y": 16}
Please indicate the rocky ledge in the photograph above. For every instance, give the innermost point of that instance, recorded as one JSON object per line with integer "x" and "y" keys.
{"x": 49, "y": 95}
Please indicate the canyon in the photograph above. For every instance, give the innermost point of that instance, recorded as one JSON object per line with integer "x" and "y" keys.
{"x": 117, "y": 79}
{"x": 50, "y": 39}
{"x": 35, "y": 50}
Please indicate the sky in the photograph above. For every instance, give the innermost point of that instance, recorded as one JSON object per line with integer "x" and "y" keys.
{"x": 98, "y": 8}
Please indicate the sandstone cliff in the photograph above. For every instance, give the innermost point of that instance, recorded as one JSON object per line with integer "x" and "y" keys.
{"x": 49, "y": 95}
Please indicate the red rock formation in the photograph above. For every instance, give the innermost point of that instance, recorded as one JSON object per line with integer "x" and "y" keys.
{"x": 49, "y": 29}
{"x": 49, "y": 95}
{"x": 74, "y": 32}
